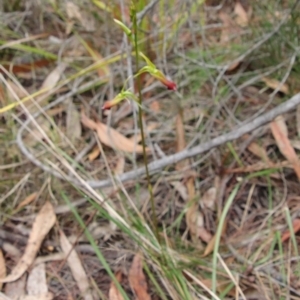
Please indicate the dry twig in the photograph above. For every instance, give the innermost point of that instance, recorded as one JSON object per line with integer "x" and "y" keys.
{"x": 157, "y": 165}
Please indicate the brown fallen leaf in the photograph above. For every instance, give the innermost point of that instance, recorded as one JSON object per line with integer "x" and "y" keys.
{"x": 110, "y": 137}
{"x": 181, "y": 189}
{"x": 180, "y": 140}
{"x": 36, "y": 281}
{"x": 76, "y": 267}
{"x": 287, "y": 234}
{"x": 276, "y": 84}
{"x": 195, "y": 223}
{"x": 193, "y": 217}
{"x": 233, "y": 66}
{"x": 242, "y": 17}
{"x": 2, "y": 268}
{"x": 49, "y": 83}
{"x": 114, "y": 293}
{"x": 94, "y": 153}
{"x": 210, "y": 246}
{"x": 44, "y": 221}
{"x": 26, "y": 68}
{"x": 298, "y": 120}
{"x": 209, "y": 198}
{"x": 27, "y": 200}
{"x": 229, "y": 29}
{"x": 280, "y": 133}
{"x": 259, "y": 152}
{"x": 119, "y": 168}
{"x": 137, "y": 279}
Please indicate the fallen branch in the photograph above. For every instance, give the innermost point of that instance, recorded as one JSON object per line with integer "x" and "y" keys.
{"x": 158, "y": 165}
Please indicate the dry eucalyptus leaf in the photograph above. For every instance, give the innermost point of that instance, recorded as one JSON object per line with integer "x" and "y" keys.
{"x": 195, "y": 223}
{"x": 73, "y": 121}
{"x": 180, "y": 141}
{"x": 211, "y": 244}
{"x": 204, "y": 235}
{"x": 48, "y": 84}
{"x": 233, "y": 66}
{"x": 209, "y": 198}
{"x": 44, "y": 221}
{"x": 53, "y": 77}
{"x": 114, "y": 293}
{"x": 31, "y": 139}
{"x": 27, "y": 200}
{"x": 76, "y": 267}
{"x": 242, "y": 18}
{"x": 181, "y": 189}
{"x": 119, "y": 168}
{"x": 36, "y": 281}
{"x": 228, "y": 27}
{"x": 110, "y": 137}
{"x": 280, "y": 133}
{"x": 94, "y": 154}
{"x": 51, "y": 81}
{"x": 259, "y": 152}
{"x": 137, "y": 279}
{"x": 2, "y": 268}
{"x": 276, "y": 84}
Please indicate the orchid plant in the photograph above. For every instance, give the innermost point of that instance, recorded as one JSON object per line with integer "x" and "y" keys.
{"x": 149, "y": 68}
{"x": 128, "y": 94}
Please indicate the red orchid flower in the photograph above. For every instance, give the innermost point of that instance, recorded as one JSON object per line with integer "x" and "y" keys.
{"x": 152, "y": 70}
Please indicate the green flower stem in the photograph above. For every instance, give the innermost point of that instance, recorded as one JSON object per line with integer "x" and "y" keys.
{"x": 140, "y": 113}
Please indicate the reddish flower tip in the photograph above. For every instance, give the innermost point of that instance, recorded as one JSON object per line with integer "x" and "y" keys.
{"x": 168, "y": 83}
{"x": 171, "y": 86}
{"x": 107, "y": 105}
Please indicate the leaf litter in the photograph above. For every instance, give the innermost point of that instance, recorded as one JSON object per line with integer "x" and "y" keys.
{"x": 111, "y": 137}
{"x": 137, "y": 279}
{"x": 76, "y": 267}
{"x": 36, "y": 282}
{"x": 44, "y": 221}
{"x": 114, "y": 293}
{"x": 198, "y": 185}
{"x": 280, "y": 133}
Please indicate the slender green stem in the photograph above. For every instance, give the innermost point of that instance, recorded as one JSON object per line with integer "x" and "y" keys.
{"x": 140, "y": 113}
